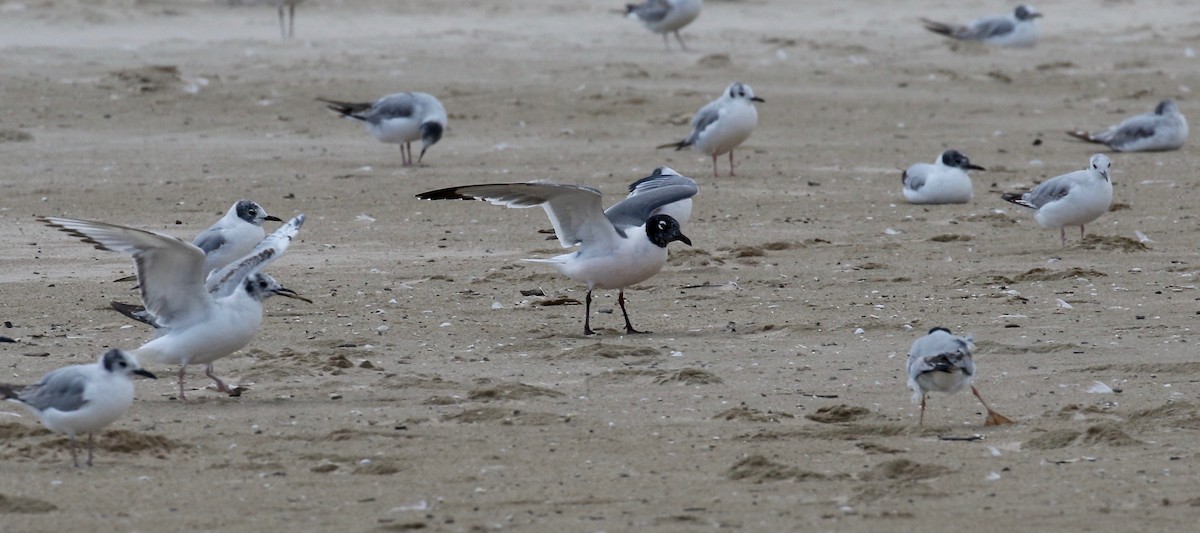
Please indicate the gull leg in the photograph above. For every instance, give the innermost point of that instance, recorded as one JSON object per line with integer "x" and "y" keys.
{"x": 91, "y": 445}
{"x": 282, "y": 29}
{"x": 587, "y": 314}
{"x": 993, "y": 418}
{"x": 221, "y": 387}
{"x": 291, "y": 20}
{"x": 74, "y": 455}
{"x": 628, "y": 327}
{"x": 1081, "y": 232}
{"x": 1062, "y": 234}
{"x": 680, "y": 39}
{"x": 921, "y": 421}
{"x": 731, "y": 163}
{"x": 715, "y": 174}
{"x": 182, "y": 370}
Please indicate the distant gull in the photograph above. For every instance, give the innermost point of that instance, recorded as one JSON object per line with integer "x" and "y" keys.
{"x": 618, "y": 248}
{"x": 1016, "y": 30}
{"x": 1073, "y": 199}
{"x": 723, "y": 124}
{"x": 198, "y": 321}
{"x": 290, "y": 30}
{"x": 941, "y": 362}
{"x": 81, "y": 398}
{"x": 1164, "y": 129}
{"x": 399, "y": 118}
{"x": 944, "y": 182}
{"x": 665, "y": 16}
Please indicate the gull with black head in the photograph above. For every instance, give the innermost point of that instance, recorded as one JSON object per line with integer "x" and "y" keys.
{"x": 618, "y": 248}
{"x": 399, "y": 118}
{"x": 199, "y": 318}
{"x": 81, "y": 398}
{"x": 944, "y": 182}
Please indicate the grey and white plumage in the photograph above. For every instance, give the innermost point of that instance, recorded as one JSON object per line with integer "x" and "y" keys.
{"x": 618, "y": 248}
{"x": 942, "y": 362}
{"x": 288, "y": 30}
{"x": 80, "y": 399}
{"x": 399, "y": 118}
{"x": 722, "y": 124}
{"x": 1073, "y": 199}
{"x": 1163, "y": 129}
{"x": 943, "y": 182}
{"x": 1018, "y": 29}
{"x": 665, "y": 16}
{"x": 662, "y": 183}
{"x": 199, "y": 318}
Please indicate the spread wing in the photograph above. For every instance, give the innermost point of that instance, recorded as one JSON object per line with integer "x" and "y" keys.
{"x": 575, "y": 211}
{"x": 170, "y": 271}
{"x": 223, "y": 282}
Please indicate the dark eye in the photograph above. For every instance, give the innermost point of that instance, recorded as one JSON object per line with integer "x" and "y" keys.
{"x": 122, "y": 364}
{"x": 253, "y": 212}
{"x": 262, "y": 284}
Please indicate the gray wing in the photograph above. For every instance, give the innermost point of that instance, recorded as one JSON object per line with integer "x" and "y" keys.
{"x": 574, "y": 210}
{"x": 914, "y": 177}
{"x": 399, "y": 105}
{"x": 704, "y": 118}
{"x": 224, "y": 281}
{"x": 652, "y": 10}
{"x": 986, "y": 28}
{"x": 932, "y": 350}
{"x": 61, "y": 389}
{"x": 1132, "y": 129}
{"x": 648, "y": 194}
{"x": 170, "y": 271}
{"x": 1051, "y": 190}
{"x": 209, "y": 240}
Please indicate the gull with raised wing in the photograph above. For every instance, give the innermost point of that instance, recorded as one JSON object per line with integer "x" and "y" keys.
{"x": 723, "y": 124}
{"x": 1163, "y": 129}
{"x": 1073, "y": 199}
{"x": 618, "y": 248}
{"x": 1018, "y": 29}
{"x": 665, "y": 16}
{"x": 81, "y": 398}
{"x": 200, "y": 318}
{"x": 399, "y": 118}
{"x": 944, "y": 182}
{"x": 942, "y": 362}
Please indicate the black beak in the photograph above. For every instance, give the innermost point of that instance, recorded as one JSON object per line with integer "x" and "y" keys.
{"x": 145, "y": 373}
{"x": 683, "y": 238}
{"x": 273, "y": 218}
{"x": 1035, "y": 15}
{"x": 757, "y": 99}
{"x": 972, "y": 166}
{"x": 422, "y": 156}
{"x": 282, "y": 291}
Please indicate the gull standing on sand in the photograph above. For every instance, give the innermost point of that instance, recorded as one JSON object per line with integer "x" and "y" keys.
{"x": 723, "y": 124}
{"x": 198, "y": 321}
{"x": 665, "y": 16}
{"x": 944, "y": 182}
{"x": 1164, "y": 129}
{"x": 941, "y": 362}
{"x": 618, "y": 248}
{"x": 1073, "y": 199}
{"x": 399, "y": 118}
{"x": 1018, "y": 29}
{"x": 81, "y": 398}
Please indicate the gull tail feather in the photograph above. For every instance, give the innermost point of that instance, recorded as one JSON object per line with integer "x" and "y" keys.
{"x": 1017, "y": 198}
{"x": 1084, "y": 136}
{"x": 679, "y": 145}
{"x": 346, "y": 109}
{"x": 940, "y": 28}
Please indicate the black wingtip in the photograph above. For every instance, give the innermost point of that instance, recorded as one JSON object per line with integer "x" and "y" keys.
{"x": 939, "y": 328}
{"x": 449, "y": 193}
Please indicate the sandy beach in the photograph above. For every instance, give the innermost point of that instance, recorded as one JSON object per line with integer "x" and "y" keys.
{"x": 423, "y": 391}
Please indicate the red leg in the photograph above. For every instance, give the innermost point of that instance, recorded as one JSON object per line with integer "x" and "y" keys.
{"x": 731, "y": 163}
{"x": 1062, "y": 234}
{"x": 221, "y": 387}
{"x": 182, "y": 370}
{"x": 921, "y": 421}
{"x": 715, "y": 174}
{"x": 993, "y": 418}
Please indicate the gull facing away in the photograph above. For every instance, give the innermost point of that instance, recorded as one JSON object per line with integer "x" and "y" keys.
{"x": 723, "y": 124}
{"x": 1018, "y": 29}
{"x": 665, "y": 16}
{"x": 618, "y": 248}
{"x": 1073, "y": 199}
{"x": 941, "y": 362}
{"x": 198, "y": 321}
{"x": 944, "y": 182}
{"x": 1164, "y": 129}
{"x": 81, "y": 398}
{"x": 290, "y": 30}
{"x": 399, "y": 118}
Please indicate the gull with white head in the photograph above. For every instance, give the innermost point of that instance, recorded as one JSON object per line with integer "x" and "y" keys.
{"x": 1073, "y": 199}
{"x": 723, "y": 124}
